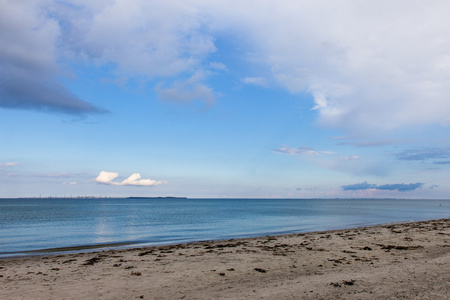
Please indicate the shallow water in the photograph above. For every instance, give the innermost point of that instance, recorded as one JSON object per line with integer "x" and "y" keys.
{"x": 30, "y": 226}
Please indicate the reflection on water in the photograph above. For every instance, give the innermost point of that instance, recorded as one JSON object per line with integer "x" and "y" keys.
{"x": 34, "y": 224}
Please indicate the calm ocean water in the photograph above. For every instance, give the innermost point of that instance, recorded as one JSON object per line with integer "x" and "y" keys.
{"x": 32, "y": 226}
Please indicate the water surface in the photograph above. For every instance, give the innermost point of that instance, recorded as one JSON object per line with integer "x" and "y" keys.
{"x": 29, "y": 226}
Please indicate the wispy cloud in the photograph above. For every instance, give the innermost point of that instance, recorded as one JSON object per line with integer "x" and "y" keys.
{"x": 424, "y": 154}
{"x": 351, "y": 157}
{"x": 378, "y": 143}
{"x": 186, "y": 91}
{"x": 401, "y": 187}
{"x": 308, "y": 151}
{"x": 60, "y": 175}
{"x": 134, "y": 180}
{"x": 70, "y": 183}
{"x": 352, "y": 164}
{"x": 218, "y": 66}
{"x": 8, "y": 164}
{"x": 260, "y": 81}
{"x": 355, "y": 165}
{"x": 312, "y": 188}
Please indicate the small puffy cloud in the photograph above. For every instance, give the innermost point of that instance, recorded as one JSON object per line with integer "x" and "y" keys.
{"x": 434, "y": 186}
{"x": 134, "y": 180}
{"x": 106, "y": 177}
{"x": 8, "y": 164}
{"x": 308, "y": 151}
{"x": 255, "y": 81}
{"x": 401, "y": 187}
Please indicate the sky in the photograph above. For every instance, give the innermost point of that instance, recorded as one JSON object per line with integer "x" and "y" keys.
{"x": 249, "y": 98}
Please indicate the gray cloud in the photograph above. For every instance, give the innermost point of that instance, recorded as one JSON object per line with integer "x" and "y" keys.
{"x": 358, "y": 186}
{"x": 28, "y": 62}
{"x": 401, "y": 187}
{"x": 33, "y": 92}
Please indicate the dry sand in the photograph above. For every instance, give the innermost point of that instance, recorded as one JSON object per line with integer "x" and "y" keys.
{"x": 410, "y": 261}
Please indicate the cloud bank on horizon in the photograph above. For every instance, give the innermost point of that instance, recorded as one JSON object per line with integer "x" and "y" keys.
{"x": 133, "y": 180}
{"x": 367, "y": 64}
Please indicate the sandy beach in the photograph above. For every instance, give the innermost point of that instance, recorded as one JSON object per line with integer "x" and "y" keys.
{"x": 408, "y": 261}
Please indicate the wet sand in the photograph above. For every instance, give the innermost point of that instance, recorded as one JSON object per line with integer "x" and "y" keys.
{"x": 408, "y": 261}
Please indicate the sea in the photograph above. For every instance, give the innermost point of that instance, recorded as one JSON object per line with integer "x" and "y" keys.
{"x": 66, "y": 225}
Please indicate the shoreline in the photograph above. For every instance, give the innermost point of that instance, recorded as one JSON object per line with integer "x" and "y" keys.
{"x": 126, "y": 245}
{"x": 409, "y": 260}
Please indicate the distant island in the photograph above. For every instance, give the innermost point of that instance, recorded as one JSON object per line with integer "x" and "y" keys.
{"x": 156, "y": 198}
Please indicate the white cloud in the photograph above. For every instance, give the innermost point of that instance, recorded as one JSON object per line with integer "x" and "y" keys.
{"x": 152, "y": 38}
{"x": 134, "y": 180}
{"x": 106, "y": 177}
{"x": 378, "y": 64}
{"x": 368, "y": 65}
{"x": 8, "y": 164}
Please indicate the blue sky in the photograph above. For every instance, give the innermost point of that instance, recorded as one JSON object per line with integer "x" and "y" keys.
{"x": 225, "y": 99}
